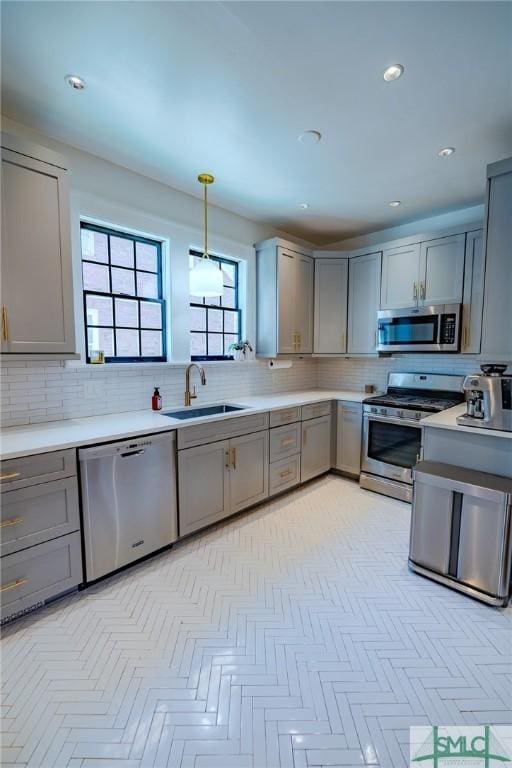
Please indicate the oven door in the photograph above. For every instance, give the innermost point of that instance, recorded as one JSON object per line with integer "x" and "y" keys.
{"x": 391, "y": 447}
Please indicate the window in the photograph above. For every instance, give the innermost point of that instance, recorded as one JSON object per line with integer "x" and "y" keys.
{"x": 215, "y": 321}
{"x": 123, "y": 305}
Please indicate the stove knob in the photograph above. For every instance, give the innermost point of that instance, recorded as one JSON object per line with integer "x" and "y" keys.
{"x": 373, "y": 409}
{"x": 400, "y": 414}
{"x": 383, "y": 411}
{"x": 417, "y": 415}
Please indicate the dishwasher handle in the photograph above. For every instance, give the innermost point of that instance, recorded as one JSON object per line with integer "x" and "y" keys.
{"x": 133, "y": 453}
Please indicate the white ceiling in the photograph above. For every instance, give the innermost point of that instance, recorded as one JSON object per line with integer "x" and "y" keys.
{"x": 176, "y": 88}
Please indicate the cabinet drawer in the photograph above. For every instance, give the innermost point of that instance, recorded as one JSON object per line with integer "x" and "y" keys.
{"x": 284, "y": 441}
{"x": 31, "y": 577}
{"x": 284, "y": 416}
{"x": 39, "y": 513}
{"x": 200, "y": 434}
{"x": 19, "y": 473}
{"x": 315, "y": 410}
{"x": 284, "y": 474}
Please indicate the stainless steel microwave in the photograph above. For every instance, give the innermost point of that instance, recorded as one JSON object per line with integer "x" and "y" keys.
{"x": 434, "y": 328}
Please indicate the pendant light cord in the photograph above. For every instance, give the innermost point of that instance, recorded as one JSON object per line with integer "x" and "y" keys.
{"x": 206, "y": 221}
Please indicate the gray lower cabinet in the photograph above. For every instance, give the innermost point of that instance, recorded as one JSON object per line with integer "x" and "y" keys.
{"x": 34, "y": 575}
{"x": 349, "y": 424}
{"x": 219, "y": 479}
{"x": 284, "y": 474}
{"x": 316, "y": 447}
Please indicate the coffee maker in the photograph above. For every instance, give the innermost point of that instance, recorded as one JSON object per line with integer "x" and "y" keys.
{"x": 488, "y": 403}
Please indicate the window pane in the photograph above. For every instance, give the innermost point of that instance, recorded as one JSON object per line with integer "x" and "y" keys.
{"x": 127, "y": 343}
{"x": 99, "y": 310}
{"x": 197, "y": 344}
{"x": 228, "y": 297}
{"x": 229, "y": 274}
{"x": 121, "y": 251}
{"x": 100, "y": 339}
{"x": 198, "y": 319}
{"x": 146, "y": 256}
{"x": 150, "y": 315}
{"x": 215, "y": 346}
{"x": 147, "y": 285}
{"x": 123, "y": 281}
{"x": 95, "y": 277}
{"x": 127, "y": 313}
{"x": 231, "y": 322}
{"x": 94, "y": 246}
{"x": 229, "y": 339}
{"x": 151, "y": 343}
{"x": 215, "y": 320}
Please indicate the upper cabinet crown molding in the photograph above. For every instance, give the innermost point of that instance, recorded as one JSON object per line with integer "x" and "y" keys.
{"x": 29, "y": 149}
{"x": 37, "y": 290}
{"x": 282, "y": 243}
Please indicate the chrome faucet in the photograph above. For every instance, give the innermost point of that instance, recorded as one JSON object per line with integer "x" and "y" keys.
{"x": 189, "y": 396}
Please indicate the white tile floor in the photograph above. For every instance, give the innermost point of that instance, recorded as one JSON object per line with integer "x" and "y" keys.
{"x": 292, "y": 636}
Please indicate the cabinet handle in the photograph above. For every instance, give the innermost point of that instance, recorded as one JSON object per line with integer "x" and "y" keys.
{"x": 5, "y": 325}
{"x": 415, "y": 291}
{"x": 286, "y": 473}
{"x": 14, "y": 521}
{"x": 299, "y": 341}
{"x": 227, "y": 457}
{"x": 423, "y": 291}
{"x": 376, "y": 338}
{"x": 9, "y": 476}
{"x": 287, "y": 441}
{"x": 13, "y": 584}
{"x": 342, "y": 342}
{"x": 465, "y": 337}
{"x": 233, "y": 460}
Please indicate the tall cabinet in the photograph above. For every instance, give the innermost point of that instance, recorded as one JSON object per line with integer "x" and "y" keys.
{"x": 37, "y": 288}
{"x": 331, "y": 286}
{"x": 284, "y": 280}
{"x": 363, "y": 303}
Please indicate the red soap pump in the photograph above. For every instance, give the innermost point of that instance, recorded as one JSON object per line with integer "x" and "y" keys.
{"x": 156, "y": 400}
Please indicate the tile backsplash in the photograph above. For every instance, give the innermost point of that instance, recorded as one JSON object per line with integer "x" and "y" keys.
{"x": 34, "y": 392}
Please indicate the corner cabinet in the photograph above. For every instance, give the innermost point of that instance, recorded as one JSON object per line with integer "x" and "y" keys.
{"x": 473, "y": 297}
{"x": 330, "y": 319}
{"x": 284, "y": 285}
{"x": 37, "y": 289}
{"x": 363, "y": 303}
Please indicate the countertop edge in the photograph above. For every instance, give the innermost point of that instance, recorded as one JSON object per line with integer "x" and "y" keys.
{"x": 448, "y": 420}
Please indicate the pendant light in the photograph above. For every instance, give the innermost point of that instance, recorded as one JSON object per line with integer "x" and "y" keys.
{"x": 206, "y": 277}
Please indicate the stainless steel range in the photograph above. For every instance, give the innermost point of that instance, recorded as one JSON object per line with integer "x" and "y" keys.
{"x": 392, "y": 430}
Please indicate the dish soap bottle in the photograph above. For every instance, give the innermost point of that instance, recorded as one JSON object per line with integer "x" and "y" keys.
{"x": 156, "y": 400}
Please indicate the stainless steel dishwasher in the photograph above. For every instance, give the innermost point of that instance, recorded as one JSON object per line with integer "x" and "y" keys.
{"x": 461, "y": 529}
{"x": 129, "y": 501}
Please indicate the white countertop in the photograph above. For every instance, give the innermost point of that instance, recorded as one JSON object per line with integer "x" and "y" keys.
{"x": 448, "y": 420}
{"x": 71, "y": 433}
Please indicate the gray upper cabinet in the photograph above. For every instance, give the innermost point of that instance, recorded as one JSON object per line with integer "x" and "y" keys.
{"x": 363, "y": 303}
{"x": 441, "y": 270}
{"x": 331, "y": 294}
{"x": 400, "y": 277}
{"x": 284, "y": 278}
{"x": 37, "y": 292}
{"x": 497, "y": 322}
{"x": 473, "y": 294}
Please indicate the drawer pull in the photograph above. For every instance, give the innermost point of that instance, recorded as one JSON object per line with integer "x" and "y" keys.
{"x": 13, "y": 584}
{"x": 287, "y": 441}
{"x": 14, "y": 521}
{"x": 9, "y": 476}
{"x": 286, "y": 473}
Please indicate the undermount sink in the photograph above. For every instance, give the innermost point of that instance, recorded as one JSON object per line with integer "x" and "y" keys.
{"x": 205, "y": 410}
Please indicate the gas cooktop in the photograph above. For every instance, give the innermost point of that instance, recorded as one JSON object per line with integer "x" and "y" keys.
{"x": 416, "y": 402}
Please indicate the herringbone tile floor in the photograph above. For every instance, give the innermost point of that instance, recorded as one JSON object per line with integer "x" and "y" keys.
{"x": 292, "y": 636}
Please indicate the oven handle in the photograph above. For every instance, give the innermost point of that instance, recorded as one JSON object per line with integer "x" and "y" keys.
{"x": 394, "y": 420}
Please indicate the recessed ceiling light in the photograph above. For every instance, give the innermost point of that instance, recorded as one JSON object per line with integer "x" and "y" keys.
{"x": 310, "y": 137}
{"x": 446, "y": 151}
{"x": 303, "y": 206}
{"x": 393, "y": 72}
{"x": 75, "y": 81}
{"x": 395, "y": 203}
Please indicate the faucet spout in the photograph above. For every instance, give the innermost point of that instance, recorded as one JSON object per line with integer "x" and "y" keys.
{"x": 189, "y": 396}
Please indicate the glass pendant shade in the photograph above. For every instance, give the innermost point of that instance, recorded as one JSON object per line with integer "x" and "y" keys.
{"x": 206, "y": 279}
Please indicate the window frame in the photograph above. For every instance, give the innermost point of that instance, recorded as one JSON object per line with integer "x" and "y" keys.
{"x": 114, "y": 232}
{"x": 204, "y": 303}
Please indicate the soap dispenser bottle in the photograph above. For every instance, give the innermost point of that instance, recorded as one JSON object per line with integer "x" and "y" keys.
{"x": 156, "y": 400}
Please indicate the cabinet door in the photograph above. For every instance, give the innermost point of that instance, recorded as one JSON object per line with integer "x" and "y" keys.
{"x": 400, "y": 277}
{"x": 304, "y": 303}
{"x": 287, "y": 292}
{"x": 331, "y": 285}
{"x": 442, "y": 270}
{"x": 248, "y": 476}
{"x": 348, "y": 438}
{"x": 363, "y": 303}
{"x": 203, "y": 484}
{"x": 473, "y": 296}
{"x": 37, "y": 294}
{"x": 316, "y": 447}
